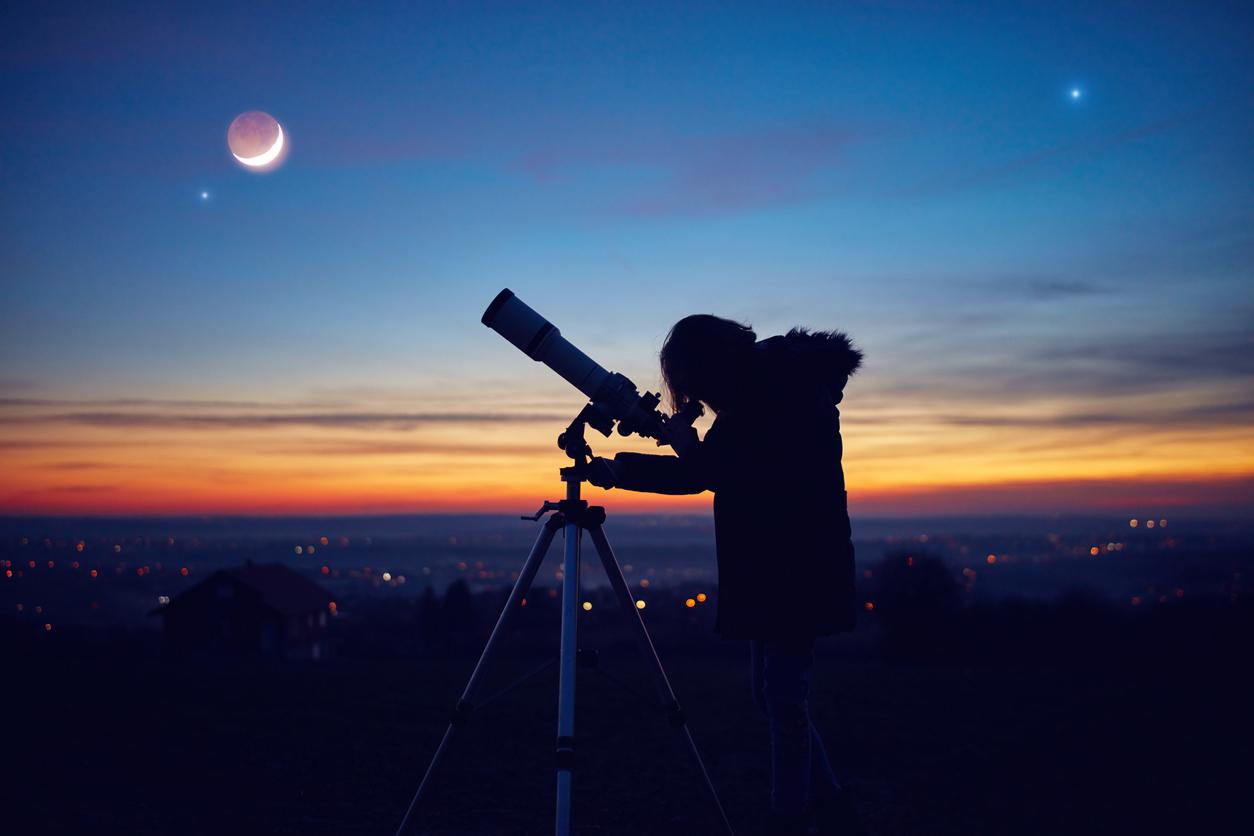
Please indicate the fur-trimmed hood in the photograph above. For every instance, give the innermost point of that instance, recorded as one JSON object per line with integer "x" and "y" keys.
{"x": 829, "y": 356}
{"x": 831, "y": 351}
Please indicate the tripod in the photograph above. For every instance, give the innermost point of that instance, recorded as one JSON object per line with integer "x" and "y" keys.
{"x": 573, "y": 516}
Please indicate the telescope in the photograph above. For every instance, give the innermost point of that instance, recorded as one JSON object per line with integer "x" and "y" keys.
{"x": 611, "y": 398}
{"x": 614, "y": 398}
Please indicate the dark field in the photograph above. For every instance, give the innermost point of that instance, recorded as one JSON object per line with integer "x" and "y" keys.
{"x": 1060, "y": 693}
{"x": 166, "y": 747}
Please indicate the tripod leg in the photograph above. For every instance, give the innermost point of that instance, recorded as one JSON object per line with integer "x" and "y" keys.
{"x": 675, "y": 713}
{"x": 461, "y": 714}
{"x": 565, "y": 754}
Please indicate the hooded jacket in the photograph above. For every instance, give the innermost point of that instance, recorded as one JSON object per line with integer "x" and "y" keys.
{"x": 773, "y": 460}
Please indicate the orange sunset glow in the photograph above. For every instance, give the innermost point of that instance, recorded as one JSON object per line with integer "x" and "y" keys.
{"x": 191, "y": 458}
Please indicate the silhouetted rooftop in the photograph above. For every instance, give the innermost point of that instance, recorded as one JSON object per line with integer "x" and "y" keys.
{"x": 283, "y": 590}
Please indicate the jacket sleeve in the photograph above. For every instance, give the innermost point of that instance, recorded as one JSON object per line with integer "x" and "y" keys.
{"x": 657, "y": 474}
{"x": 724, "y": 458}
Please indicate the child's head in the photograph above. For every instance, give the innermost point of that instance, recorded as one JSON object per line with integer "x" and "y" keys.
{"x": 703, "y": 359}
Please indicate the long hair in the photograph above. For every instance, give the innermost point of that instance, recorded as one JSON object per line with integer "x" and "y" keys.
{"x": 703, "y": 358}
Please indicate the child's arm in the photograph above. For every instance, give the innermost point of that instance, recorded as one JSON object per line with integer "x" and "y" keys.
{"x": 655, "y": 474}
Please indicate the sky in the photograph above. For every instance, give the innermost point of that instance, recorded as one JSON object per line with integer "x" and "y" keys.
{"x": 1036, "y": 220}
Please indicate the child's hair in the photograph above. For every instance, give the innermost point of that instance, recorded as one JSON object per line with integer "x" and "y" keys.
{"x": 702, "y": 359}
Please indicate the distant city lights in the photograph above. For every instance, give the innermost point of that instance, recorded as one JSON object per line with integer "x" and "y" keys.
{"x": 100, "y": 558}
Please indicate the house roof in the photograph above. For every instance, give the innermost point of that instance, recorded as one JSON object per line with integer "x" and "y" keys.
{"x": 283, "y": 590}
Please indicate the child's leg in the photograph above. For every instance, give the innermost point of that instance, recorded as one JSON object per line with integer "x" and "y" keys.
{"x": 757, "y": 657}
{"x": 785, "y": 677}
{"x": 824, "y": 776}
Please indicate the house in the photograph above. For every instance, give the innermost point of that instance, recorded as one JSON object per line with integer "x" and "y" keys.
{"x": 252, "y": 610}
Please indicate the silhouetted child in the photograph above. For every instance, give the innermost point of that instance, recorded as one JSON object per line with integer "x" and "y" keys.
{"x": 785, "y": 558}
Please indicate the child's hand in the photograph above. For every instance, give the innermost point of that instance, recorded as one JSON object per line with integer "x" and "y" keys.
{"x": 601, "y": 473}
{"x": 677, "y": 430}
{"x": 680, "y": 436}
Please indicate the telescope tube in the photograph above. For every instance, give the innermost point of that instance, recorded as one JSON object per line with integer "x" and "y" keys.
{"x": 540, "y": 340}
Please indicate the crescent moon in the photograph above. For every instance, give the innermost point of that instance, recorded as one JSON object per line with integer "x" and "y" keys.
{"x": 265, "y": 157}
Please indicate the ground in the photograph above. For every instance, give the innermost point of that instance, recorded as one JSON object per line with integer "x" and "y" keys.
{"x": 163, "y": 747}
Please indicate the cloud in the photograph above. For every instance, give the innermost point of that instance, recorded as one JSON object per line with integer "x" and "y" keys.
{"x": 31, "y": 444}
{"x": 149, "y": 402}
{"x": 387, "y": 448}
{"x": 79, "y": 489}
{"x": 18, "y": 384}
{"x": 74, "y": 466}
{"x": 1198, "y": 415}
{"x": 246, "y": 420}
{"x": 712, "y": 174}
{"x": 1091, "y": 146}
{"x": 1153, "y": 363}
{"x": 1043, "y": 288}
{"x": 994, "y": 367}
{"x": 1227, "y": 496}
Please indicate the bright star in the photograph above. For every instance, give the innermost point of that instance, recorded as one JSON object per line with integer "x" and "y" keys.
{"x": 1075, "y": 93}
{"x": 204, "y": 195}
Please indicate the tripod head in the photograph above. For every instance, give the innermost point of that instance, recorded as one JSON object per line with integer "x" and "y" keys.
{"x": 574, "y": 443}
{"x": 594, "y": 414}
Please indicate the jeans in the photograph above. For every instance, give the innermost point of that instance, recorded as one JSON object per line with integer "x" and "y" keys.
{"x": 781, "y": 687}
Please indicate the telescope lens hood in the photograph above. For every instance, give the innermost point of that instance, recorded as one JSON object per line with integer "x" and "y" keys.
{"x": 494, "y": 308}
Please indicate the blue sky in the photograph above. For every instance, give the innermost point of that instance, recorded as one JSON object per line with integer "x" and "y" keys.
{"x": 917, "y": 174}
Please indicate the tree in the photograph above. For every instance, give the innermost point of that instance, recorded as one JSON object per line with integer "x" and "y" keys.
{"x": 916, "y": 601}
